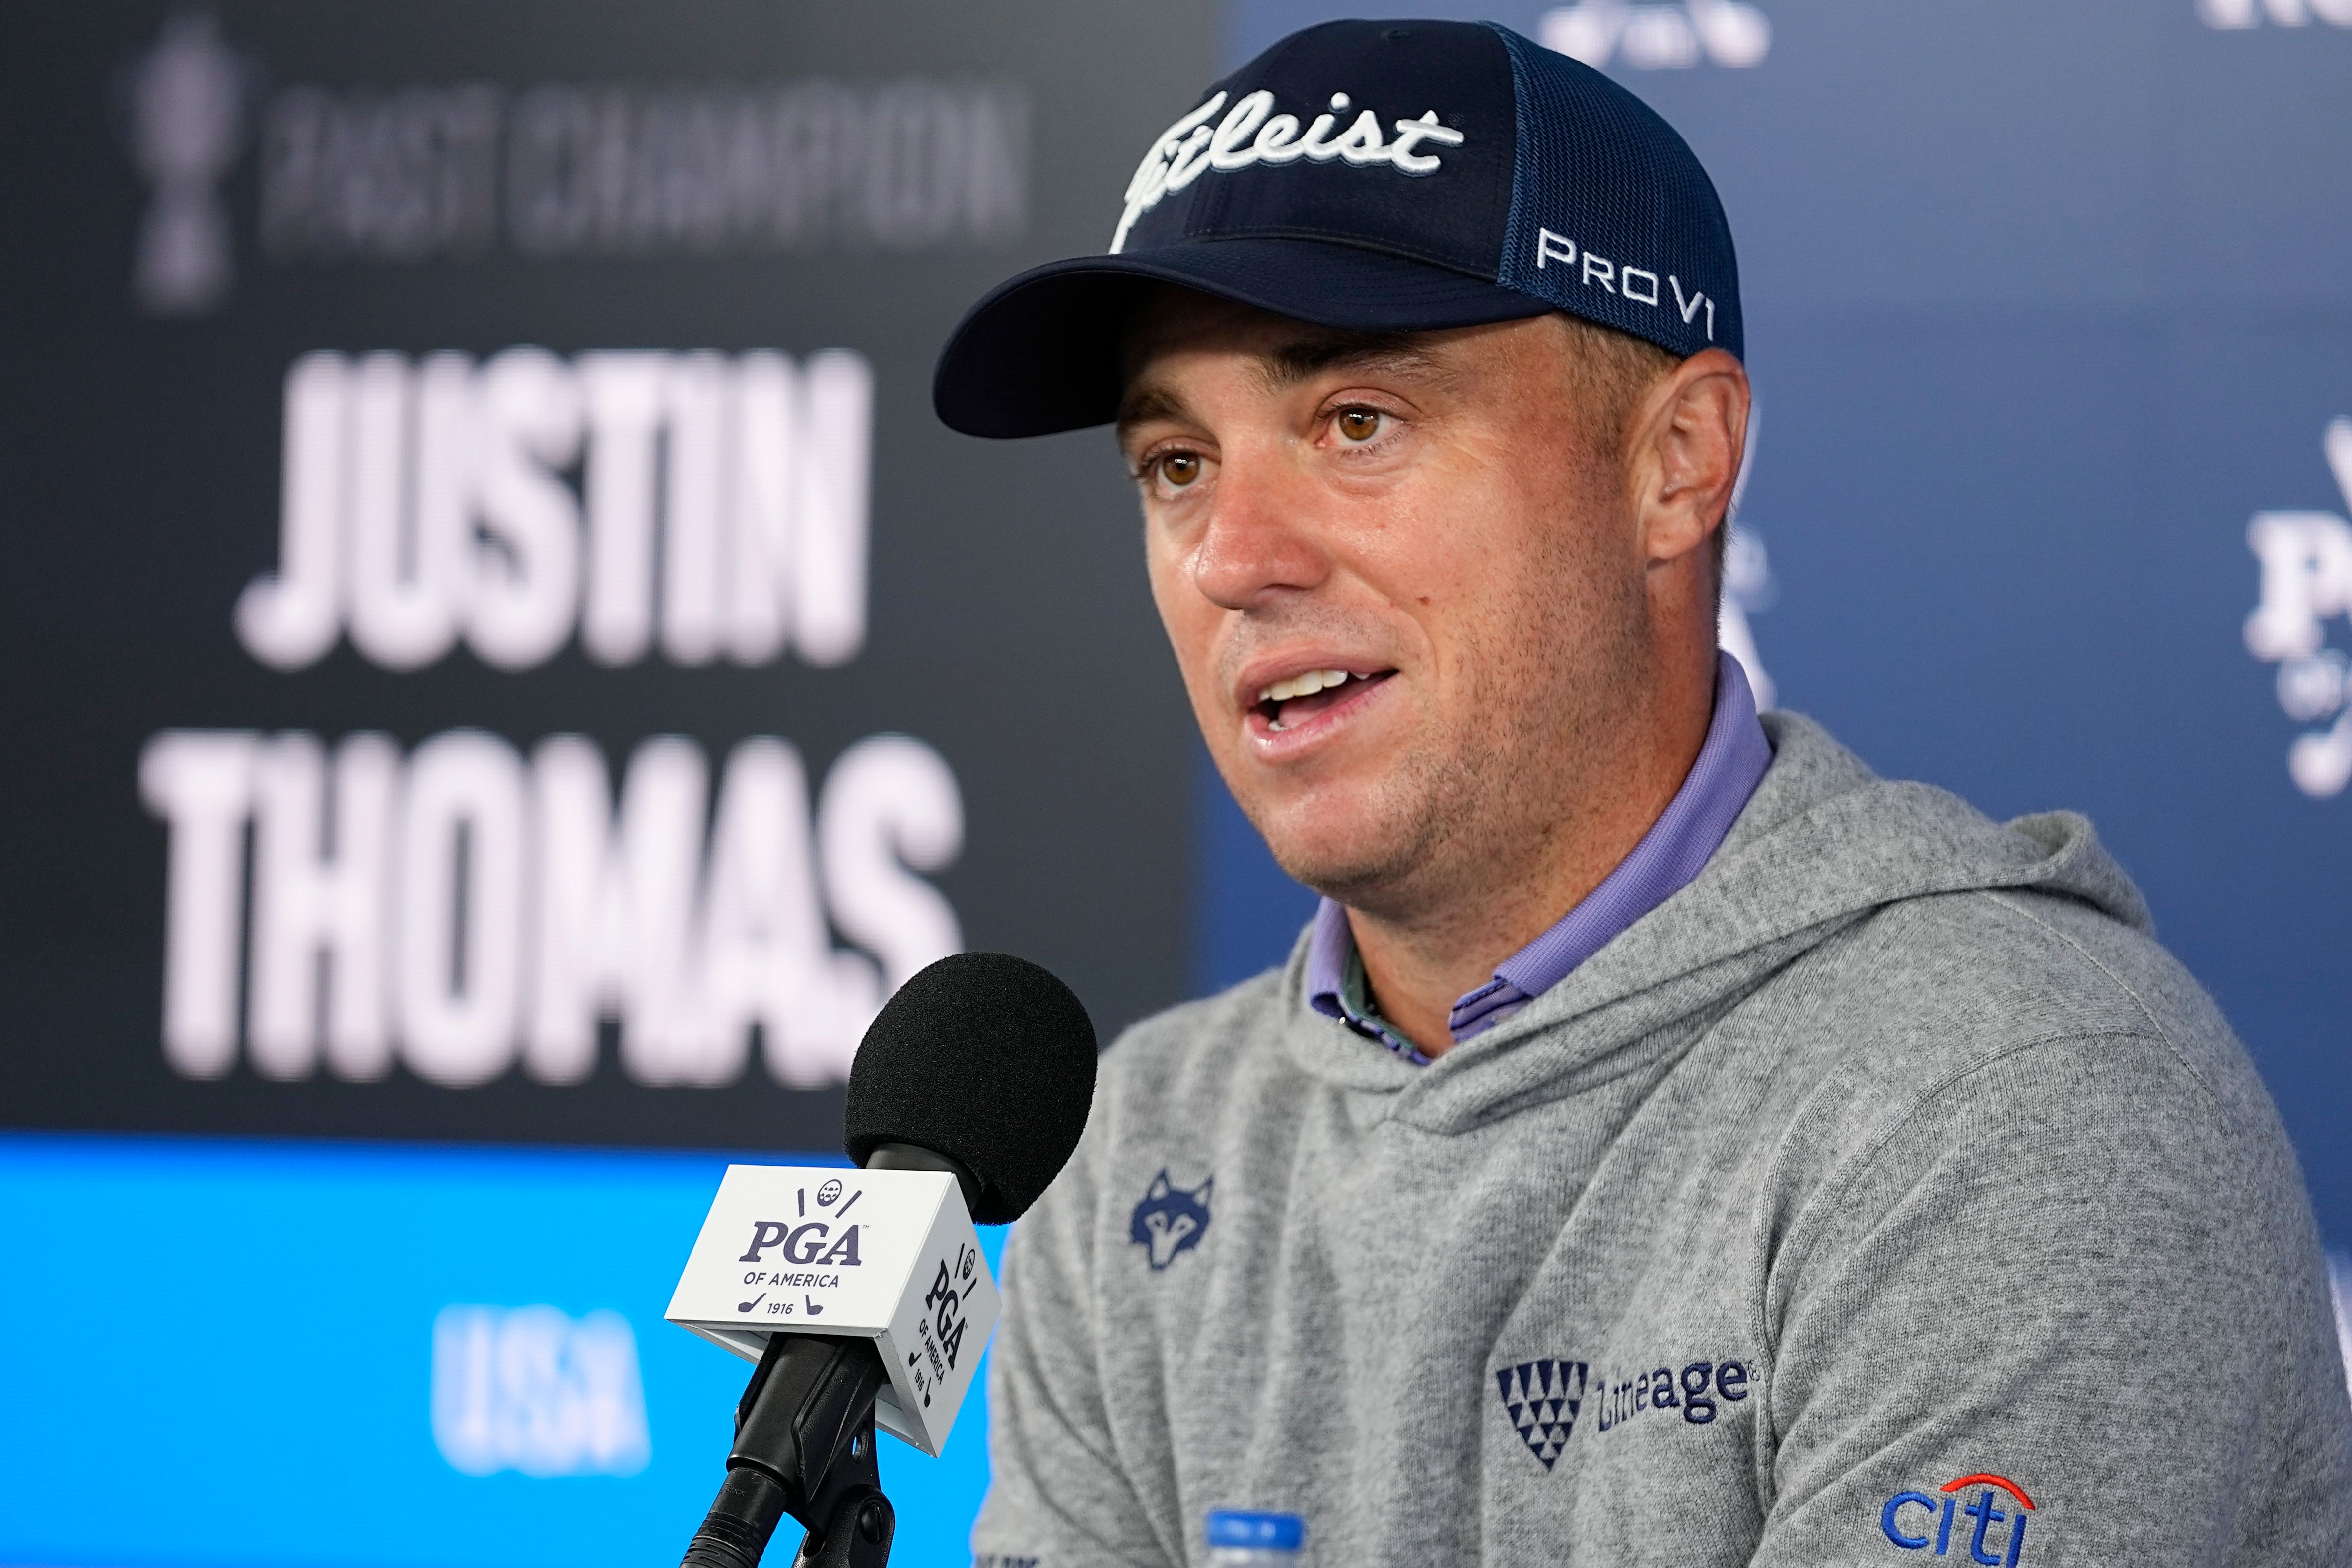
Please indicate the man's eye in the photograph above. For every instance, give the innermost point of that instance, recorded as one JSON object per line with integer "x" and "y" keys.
{"x": 1178, "y": 469}
{"x": 1359, "y": 424}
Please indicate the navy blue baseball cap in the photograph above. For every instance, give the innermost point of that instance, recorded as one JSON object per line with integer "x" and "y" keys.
{"x": 1375, "y": 176}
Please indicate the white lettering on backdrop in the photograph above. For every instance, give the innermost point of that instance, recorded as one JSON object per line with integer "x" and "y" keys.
{"x": 2306, "y": 581}
{"x": 465, "y": 911}
{"x": 1654, "y": 38}
{"x": 465, "y": 908}
{"x": 537, "y": 1390}
{"x": 425, "y": 504}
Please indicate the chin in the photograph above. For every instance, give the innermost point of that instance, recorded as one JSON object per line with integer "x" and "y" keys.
{"x": 1342, "y": 860}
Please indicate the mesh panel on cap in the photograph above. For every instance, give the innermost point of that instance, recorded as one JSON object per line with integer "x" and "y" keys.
{"x": 1604, "y": 185}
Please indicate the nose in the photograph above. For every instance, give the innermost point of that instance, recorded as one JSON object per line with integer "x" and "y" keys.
{"x": 1259, "y": 543}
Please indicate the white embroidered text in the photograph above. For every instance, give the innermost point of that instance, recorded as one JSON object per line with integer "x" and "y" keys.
{"x": 1251, "y": 132}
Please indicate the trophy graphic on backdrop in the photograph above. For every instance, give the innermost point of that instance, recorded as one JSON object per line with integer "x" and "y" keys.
{"x": 187, "y": 128}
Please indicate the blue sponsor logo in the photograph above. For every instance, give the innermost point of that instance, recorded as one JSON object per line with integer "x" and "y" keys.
{"x": 1171, "y": 1219}
{"x": 1696, "y": 1393}
{"x": 1542, "y": 1397}
{"x": 1915, "y": 1520}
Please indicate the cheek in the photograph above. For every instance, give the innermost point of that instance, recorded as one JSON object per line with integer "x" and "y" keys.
{"x": 1187, "y": 615}
{"x": 1455, "y": 560}
{"x": 1521, "y": 586}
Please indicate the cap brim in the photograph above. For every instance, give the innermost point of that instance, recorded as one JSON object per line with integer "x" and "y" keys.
{"x": 1041, "y": 354}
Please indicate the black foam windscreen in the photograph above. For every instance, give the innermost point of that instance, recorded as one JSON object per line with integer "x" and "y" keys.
{"x": 984, "y": 1058}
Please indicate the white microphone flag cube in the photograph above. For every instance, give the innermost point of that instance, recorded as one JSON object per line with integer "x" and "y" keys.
{"x": 889, "y": 1256}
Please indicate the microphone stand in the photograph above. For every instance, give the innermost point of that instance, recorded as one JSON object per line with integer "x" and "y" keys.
{"x": 804, "y": 1437}
{"x": 803, "y": 1446}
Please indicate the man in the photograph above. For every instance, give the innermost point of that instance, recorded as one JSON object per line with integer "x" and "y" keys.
{"x": 1670, "y": 1144}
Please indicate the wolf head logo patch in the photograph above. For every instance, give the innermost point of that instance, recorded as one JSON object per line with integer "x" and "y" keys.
{"x": 1169, "y": 1219}
{"x": 1541, "y": 1399}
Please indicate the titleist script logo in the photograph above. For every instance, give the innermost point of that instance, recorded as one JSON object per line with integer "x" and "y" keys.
{"x": 1251, "y": 132}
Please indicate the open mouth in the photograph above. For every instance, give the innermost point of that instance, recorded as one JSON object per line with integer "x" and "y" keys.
{"x": 1291, "y": 702}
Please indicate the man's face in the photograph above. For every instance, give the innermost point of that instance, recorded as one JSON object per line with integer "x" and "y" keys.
{"x": 1403, "y": 580}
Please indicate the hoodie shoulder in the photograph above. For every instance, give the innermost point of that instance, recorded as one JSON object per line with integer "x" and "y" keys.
{"x": 2046, "y": 941}
{"x": 2004, "y": 966}
{"x": 2038, "y": 1021}
{"x": 2064, "y": 965}
{"x": 1948, "y": 941}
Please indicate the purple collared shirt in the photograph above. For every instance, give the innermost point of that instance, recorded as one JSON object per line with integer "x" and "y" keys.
{"x": 1730, "y": 763}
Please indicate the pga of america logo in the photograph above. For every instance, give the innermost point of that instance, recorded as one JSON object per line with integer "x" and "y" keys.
{"x": 2306, "y": 581}
{"x": 1916, "y": 1520}
{"x": 810, "y": 1245}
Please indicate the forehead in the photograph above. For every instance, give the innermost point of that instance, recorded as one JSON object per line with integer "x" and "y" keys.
{"x": 1173, "y": 324}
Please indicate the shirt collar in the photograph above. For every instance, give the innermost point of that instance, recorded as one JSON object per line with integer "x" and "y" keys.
{"x": 1731, "y": 762}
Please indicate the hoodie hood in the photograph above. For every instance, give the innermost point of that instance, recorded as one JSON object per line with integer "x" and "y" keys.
{"x": 1823, "y": 843}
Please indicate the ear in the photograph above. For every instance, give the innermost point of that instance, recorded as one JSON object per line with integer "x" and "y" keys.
{"x": 1159, "y": 1188}
{"x": 1201, "y": 1193}
{"x": 1686, "y": 443}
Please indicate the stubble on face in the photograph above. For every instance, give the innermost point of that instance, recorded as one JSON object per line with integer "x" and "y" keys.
{"x": 1505, "y": 573}
{"x": 1553, "y": 657}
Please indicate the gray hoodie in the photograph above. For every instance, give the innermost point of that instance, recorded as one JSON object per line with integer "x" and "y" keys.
{"x": 1887, "y": 1195}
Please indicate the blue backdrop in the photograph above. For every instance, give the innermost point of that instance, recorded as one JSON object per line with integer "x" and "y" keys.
{"x": 232, "y": 1351}
{"x": 2047, "y": 300}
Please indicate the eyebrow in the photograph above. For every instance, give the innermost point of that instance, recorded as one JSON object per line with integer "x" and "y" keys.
{"x": 1304, "y": 358}
{"x": 1288, "y": 364}
{"x": 1146, "y": 402}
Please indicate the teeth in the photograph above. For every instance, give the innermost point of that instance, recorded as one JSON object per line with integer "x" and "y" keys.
{"x": 1303, "y": 685}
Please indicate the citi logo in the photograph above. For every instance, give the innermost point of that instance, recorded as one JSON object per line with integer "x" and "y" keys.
{"x": 1727, "y": 33}
{"x": 1933, "y": 1519}
{"x": 2230, "y": 15}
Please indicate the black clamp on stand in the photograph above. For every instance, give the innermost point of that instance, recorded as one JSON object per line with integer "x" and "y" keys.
{"x": 803, "y": 1446}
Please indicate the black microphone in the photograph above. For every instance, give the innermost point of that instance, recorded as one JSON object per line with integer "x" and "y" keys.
{"x": 983, "y": 1067}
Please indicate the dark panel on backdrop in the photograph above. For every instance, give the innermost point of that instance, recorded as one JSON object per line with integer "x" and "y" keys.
{"x": 498, "y": 646}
